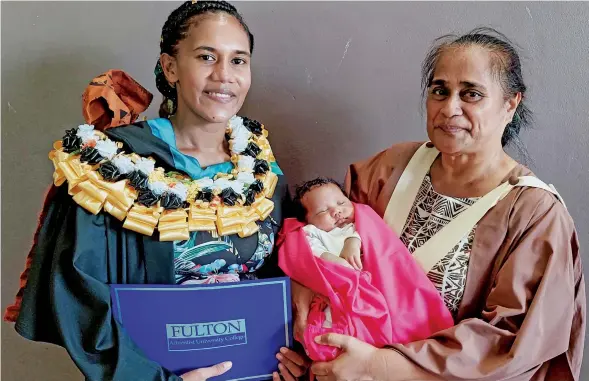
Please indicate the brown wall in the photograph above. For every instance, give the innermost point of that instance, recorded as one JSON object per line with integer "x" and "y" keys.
{"x": 334, "y": 82}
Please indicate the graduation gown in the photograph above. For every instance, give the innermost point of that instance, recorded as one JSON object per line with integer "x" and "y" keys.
{"x": 522, "y": 316}
{"x": 76, "y": 255}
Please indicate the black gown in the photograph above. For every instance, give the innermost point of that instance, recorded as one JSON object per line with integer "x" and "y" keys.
{"x": 66, "y": 300}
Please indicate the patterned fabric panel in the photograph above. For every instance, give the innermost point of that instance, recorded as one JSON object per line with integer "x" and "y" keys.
{"x": 430, "y": 212}
{"x": 205, "y": 258}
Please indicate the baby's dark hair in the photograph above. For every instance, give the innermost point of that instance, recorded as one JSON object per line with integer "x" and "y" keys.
{"x": 175, "y": 30}
{"x": 307, "y": 186}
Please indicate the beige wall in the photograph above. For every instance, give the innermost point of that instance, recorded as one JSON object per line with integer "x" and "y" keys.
{"x": 334, "y": 82}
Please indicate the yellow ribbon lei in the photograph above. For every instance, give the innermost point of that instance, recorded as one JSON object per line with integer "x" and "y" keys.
{"x": 91, "y": 191}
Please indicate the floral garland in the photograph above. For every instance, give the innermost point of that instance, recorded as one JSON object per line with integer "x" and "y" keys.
{"x": 102, "y": 177}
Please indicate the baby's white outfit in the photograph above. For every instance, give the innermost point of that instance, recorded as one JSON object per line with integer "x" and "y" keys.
{"x": 331, "y": 242}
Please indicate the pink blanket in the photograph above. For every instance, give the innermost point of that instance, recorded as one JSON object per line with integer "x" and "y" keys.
{"x": 390, "y": 301}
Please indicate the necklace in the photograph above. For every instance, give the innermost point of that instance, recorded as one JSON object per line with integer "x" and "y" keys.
{"x": 101, "y": 176}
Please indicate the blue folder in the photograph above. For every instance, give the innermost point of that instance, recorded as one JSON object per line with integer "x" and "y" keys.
{"x": 183, "y": 327}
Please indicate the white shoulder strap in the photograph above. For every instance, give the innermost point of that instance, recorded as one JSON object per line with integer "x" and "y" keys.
{"x": 441, "y": 243}
{"x": 532, "y": 181}
{"x": 407, "y": 187}
{"x": 438, "y": 246}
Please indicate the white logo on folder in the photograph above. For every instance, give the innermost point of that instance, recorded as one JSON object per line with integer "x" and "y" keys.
{"x": 198, "y": 336}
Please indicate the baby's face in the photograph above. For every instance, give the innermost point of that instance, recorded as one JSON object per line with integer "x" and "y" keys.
{"x": 327, "y": 207}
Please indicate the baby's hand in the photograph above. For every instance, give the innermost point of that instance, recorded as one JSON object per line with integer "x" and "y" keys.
{"x": 352, "y": 252}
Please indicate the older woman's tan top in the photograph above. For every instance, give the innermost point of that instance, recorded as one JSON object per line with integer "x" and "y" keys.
{"x": 522, "y": 314}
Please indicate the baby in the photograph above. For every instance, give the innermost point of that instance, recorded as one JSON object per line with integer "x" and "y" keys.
{"x": 330, "y": 228}
{"x": 366, "y": 283}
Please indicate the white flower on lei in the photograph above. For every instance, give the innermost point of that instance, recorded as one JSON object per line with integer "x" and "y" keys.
{"x": 106, "y": 148}
{"x": 237, "y": 186}
{"x": 246, "y": 178}
{"x": 239, "y": 135}
{"x": 236, "y": 123}
{"x": 222, "y": 183}
{"x": 123, "y": 164}
{"x": 86, "y": 132}
{"x": 158, "y": 187}
{"x": 205, "y": 182}
{"x": 180, "y": 190}
{"x": 145, "y": 165}
{"x": 246, "y": 163}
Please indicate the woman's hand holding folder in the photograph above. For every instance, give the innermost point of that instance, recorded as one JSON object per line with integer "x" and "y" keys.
{"x": 203, "y": 374}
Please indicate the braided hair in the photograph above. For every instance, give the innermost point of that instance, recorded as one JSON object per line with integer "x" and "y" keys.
{"x": 175, "y": 30}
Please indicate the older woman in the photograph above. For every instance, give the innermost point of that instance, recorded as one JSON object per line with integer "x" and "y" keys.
{"x": 497, "y": 242}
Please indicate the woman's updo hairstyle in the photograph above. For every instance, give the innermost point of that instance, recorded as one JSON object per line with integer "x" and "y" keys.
{"x": 175, "y": 30}
{"x": 505, "y": 65}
